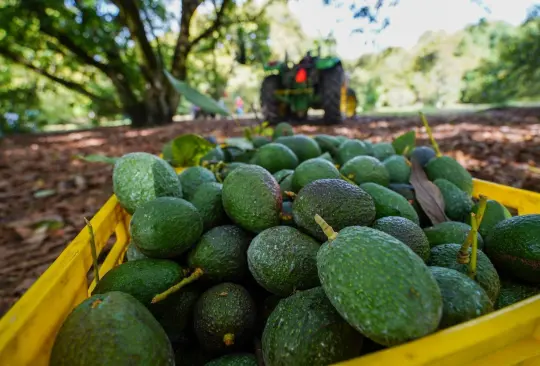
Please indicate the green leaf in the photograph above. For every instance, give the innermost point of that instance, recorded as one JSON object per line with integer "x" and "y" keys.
{"x": 200, "y": 100}
{"x": 187, "y": 150}
{"x": 97, "y": 158}
{"x": 240, "y": 142}
{"x": 404, "y": 142}
{"x": 44, "y": 193}
{"x": 248, "y": 135}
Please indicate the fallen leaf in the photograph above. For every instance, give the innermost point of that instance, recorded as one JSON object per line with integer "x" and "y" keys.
{"x": 427, "y": 194}
{"x": 97, "y": 158}
{"x": 38, "y": 236}
{"x": 44, "y": 193}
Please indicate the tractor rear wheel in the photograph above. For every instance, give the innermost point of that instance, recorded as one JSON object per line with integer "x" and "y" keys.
{"x": 270, "y": 105}
{"x": 332, "y": 81}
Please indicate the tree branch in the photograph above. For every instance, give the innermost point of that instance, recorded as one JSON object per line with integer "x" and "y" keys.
{"x": 214, "y": 26}
{"x": 182, "y": 47}
{"x": 68, "y": 84}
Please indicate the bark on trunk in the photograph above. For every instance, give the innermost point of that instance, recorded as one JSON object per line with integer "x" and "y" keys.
{"x": 158, "y": 108}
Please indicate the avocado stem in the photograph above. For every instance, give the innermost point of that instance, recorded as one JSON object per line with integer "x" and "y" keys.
{"x": 406, "y": 151}
{"x": 347, "y": 179}
{"x": 481, "y": 209}
{"x": 474, "y": 251}
{"x": 228, "y": 339}
{"x": 327, "y": 229}
{"x": 291, "y": 194}
{"x": 186, "y": 281}
{"x": 430, "y": 134}
{"x": 94, "y": 250}
{"x": 463, "y": 256}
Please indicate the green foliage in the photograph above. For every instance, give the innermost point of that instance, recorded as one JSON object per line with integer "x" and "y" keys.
{"x": 186, "y": 150}
{"x": 405, "y": 143}
{"x": 97, "y": 158}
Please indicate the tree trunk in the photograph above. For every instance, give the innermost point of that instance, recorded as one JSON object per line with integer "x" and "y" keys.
{"x": 157, "y": 108}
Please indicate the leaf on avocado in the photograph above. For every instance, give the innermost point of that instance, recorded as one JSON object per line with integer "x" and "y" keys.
{"x": 404, "y": 143}
{"x": 427, "y": 194}
{"x": 187, "y": 150}
{"x": 200, "y": 100}
{"x": 97, "y": 158}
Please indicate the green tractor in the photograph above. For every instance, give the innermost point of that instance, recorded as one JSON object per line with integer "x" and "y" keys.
{"x": 316, "y": 82}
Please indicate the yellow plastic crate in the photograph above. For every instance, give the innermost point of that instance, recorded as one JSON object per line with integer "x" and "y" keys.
{"x": 510, "y": 336}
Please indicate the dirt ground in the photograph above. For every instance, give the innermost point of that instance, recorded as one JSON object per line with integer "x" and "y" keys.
{"x": 41, "y": 181}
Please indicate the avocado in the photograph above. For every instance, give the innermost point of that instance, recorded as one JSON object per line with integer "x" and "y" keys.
{"x": 207, "y": 200}
{"x": 379, "y": 285}
{"x": 282, "y": 129}
{"x": 383, "y": 150}
{"x": 259, "y": 141}
{"x": 463, "y": 299}
{"x": 447, "y": 168}
{"x": 327, "y": 156}
{"x": 305, "y": 330}
{"x": 350, "y": 149}
{"x": 133, "y": 253}
{"x": 327, "y": 143}
{"x": 423, "y": 154}
{"x": 341, "y": 139}
{"x": 450, "y": 232}
{"x": 282, "y": 174}
{"x": 165, "y": 227}
{"x": 407, "y": 191}
{"x": 235, "y": 359}
{"x": 312, "y": 170}
{"x": 140, "y": 177}
{"x": 252, "y": 198}
{"x": 513, "y": 292}
{"x": 111, "y": 329}
{"x": 398, "y": 169}
{"x": 445, "y": 255}
{"x": 275, "y": 157}
{"x": 142, "y": 279}
{"x": 514, "y": 247}
{"x": 493, "y": 214}
{"x": 407, "y": 232}
{"x": 224, "y": 172}
{"x": 363, "y": 169}
{"x": 457, "y": 203}
{"x": 175, "y": 312}
{"x": 389, "y": 203}
{"x": 216, "y": 154}
{"x": 191, "y": 178}
{"x": 369, "y": 147}
{"x": 304, "y": 147}
{"x": 286, "y": 214}
{"x": 224, "y": 317}
{"x": 221, "y": 254}
{"x": 284, "y": 178}
{"x": 338, "y": 202}
{"x": 282, "y": 260}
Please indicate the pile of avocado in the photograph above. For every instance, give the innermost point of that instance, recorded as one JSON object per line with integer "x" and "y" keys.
{"x": 300, "y": 251}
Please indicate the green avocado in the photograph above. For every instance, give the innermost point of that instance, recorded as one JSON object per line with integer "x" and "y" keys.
{"x": 407, "y": 232}
{"x": 338, "y": 202}
{"x": 514, "y": 247}
{"x": 447, "y": 168}
{"x": 312, "y": 170}
{"x": 224, "y": 317}
{"x": 350, "y": 149}
{"x": 457, "y": 203}
{"x": 407, "y": 191}
{"x": 229, "y": 167}
{"x": 284, "y": 179}
{"x": 111, "y": 329}
{"x": 445, "y": 255}
{"x": 304, "y": 147}
{"x": 363, "y": 169}
{"x": 221, "y": 254}
{"x": 305, "y": 330}
{"x": 165, "y": 227}
{"x": 493, "y": 214}
{"x": 327, "y": 156}
{"x": 390, "y": 203}
{"x": 282, "y": 260}
{"x": 450, "y": 232}
{"x": 235, "y": 359}
{"x": 133, "y": 253}
{"x": 252, "y": 198}
{"x": 142, "y": 279}
{"x": 192, "y": 177}
{"x": 282, "y": 174}
{"x": 513, "y": 292}
{"x": 383, "y": 150}
{"x": 282, "y": 129}
{"x": 275, "y": 157}
{"x": 463, "y": 299}
{"x": 259, "y": 141}
{"x": 398, "y": 169}
{"x": 216, "y": 154}
{"x": 207, "y": 200}
{"x": 369, "y": 147}
{"x": 140, "y": 177}
{"x": 379, "y": 285}
{"x": 327, "y": 143}
{"x": 423, "y": 154}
